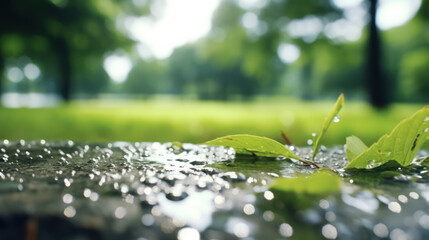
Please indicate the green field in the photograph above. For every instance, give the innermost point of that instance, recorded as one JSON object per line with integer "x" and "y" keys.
{"x": 195, "y": 121}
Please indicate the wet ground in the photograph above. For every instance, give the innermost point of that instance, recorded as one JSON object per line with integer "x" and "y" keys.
{"x": 67, "y": 190}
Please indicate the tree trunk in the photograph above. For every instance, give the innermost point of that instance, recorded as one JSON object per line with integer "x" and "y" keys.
{"x": 376, "y": 82}
{"x": 2, "y": 69}
{"x": 64, "y": 68}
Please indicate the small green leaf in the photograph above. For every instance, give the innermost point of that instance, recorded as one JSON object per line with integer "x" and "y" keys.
{"x": 354, "y": 147}
{"x": 401, "y": 145}
{"x": 254, "y": 145}
{"x": 321, "y": 182}
{"x": 334, "y": 112}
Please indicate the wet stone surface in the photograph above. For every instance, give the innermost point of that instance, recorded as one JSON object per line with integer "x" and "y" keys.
{"x": 66, "y": 190}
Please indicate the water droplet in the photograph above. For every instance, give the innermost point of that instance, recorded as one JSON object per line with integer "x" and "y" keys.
{"x": 402, "y": 198}
{"x": 371, "y": 164}
{"x": 178, "y": 223}
{"x": 268, "y": 195}
{"x": 249, "y": 209}
{"x": 381, "y": 230}
{"x": 156, "y": 211}
{"x": 424, "y": 221}
{"x": 87, "y": 192}
{"x": 67, "y": 198}
{"x": 313, "y": 134}
{"x": 399, "y": 234}
{"x": 285, "y": 230}
{"x": 330, "y": 216}
{"x": 124, "y": 188}
{"x": 241, "y": 230}
{"x": 67, "y": 182}
{"x": 148, "y": 220}
{"x": 324, "y": 204}
{"x": 329, "y": 231}
{"x": 414, "y": 195}
{"x": 188, "y": 234}
{"x": 69, "y": 212}
{"x": 93, "y": 196}
{"x": 120, "y": 212}
{"x": 219, "y": 201}
{"x": 394, "y": 207}
{"x": 336, "y": 119}
{"x": 268, "y": 216}
{"x": 310, "y": 141}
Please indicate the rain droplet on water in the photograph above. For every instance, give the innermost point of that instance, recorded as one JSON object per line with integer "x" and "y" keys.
{"x": 268, "y": 216}
{"x": 69, "y": 212}
{"x": 249, "y": 209}
{"x": 414, "y": 195}
{"x": 120, "y": 212}
{"x": 268, "y": 195}
{"x": 67, "y": 198}
{"x": 188, "y": 234}
{"x": 241, "y": 230}
{"x": 329, "y": 231}
{"x": 381, "y": 230}
{"x": 148, "y": 219}
{"x": 394, "y": 207}
{"x": 286, "y": 230}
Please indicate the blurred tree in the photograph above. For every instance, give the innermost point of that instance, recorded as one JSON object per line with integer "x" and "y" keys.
{"x": 377, "y": 84}
{"x": 61, "y": 33}
{"x": 184, "y": 68}
{"x": 146, "y": 78}
{"x": 248, "y": 39}
{"x": 209, "y": 77}
{"x": 406, "y": 52}
{"x": 414, "y": 75}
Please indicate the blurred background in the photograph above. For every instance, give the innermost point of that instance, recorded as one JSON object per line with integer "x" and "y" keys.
{"x": 191, "y": 70}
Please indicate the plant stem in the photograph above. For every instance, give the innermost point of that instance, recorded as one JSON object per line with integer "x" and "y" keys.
{"x": 287, "y": 140}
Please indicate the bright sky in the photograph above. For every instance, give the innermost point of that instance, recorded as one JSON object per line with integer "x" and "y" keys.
{"x": 176, "y": 23}
{"x": 179, "y": 22}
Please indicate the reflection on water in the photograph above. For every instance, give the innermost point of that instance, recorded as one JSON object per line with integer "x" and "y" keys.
{"x": 155, "y": 191}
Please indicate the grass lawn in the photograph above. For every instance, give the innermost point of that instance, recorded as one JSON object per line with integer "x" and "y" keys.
{"x": 196, "y": 122}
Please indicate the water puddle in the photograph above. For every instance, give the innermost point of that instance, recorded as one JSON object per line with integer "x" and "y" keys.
{"x": 121, "y": 190}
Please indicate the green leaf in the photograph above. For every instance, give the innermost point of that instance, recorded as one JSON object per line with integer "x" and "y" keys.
{"x": 254, "y": 145}
{"x": 321, "y": 182}
{"x": 354, "y": 147}
{"x": 328, "y": 120}
{"x": 401, "y": 145}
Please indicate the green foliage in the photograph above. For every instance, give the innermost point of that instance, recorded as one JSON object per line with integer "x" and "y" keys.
{"x": 355, "y": 146}
{"x": 320, "y": 183}
{"x": 254, "y": 145}
{"x": 401, "y": 145}
{"x": 167, "y": 120}
{"x": 334, "y": 113}
{"x": 413, "y": 72}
